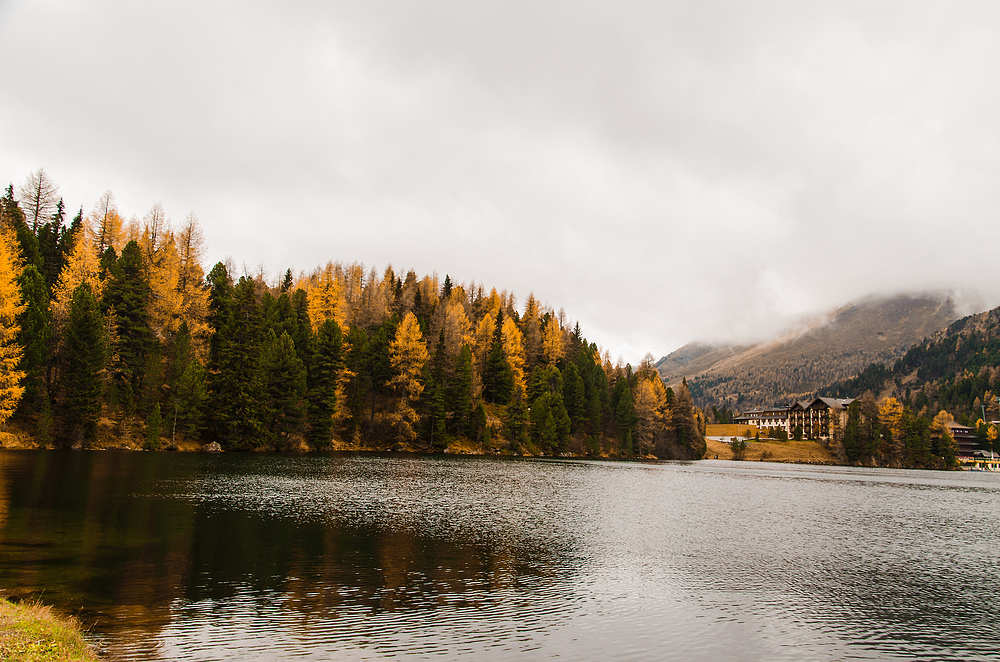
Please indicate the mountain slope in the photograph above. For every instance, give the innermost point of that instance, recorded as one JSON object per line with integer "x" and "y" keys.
{"x": 821, "y": 351}
{"x": 957, "y": 369}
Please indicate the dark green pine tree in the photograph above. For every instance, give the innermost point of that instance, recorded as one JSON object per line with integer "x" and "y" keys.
{"x": 598, "y": 406}
{"x": 917, "y": 440}
{"x": 35, "y": 337}
{"x": 324, "y": 371}
{"x": 108, "y": 263}
{"x": 575, "y": 396}
{"x": 284, "y": 386}
{"x": 478, "y": 425}
{"x": 460, "y": 393}
{"x": 516, "y": 424}
{"x": 302, "y": 336}
{"x": 127, "y": 295}
{"x": 852, "y": 433}
{"x": 686, "y": 431}
{"x": 562, "y": 422}
{"x": 186, "y": 387}
{"x": 436, "y": 395}
{"x": 10, "y": 211}
{"x": 280, "y": 315}
{"x": 85, "y": 357}
{"x": 624, "y": 413}
{"x": 28, "y": 243}
{"x": 236, "y": 380}
{"x": 220, "y": 315}
{"x": 286, "y": 282}
{"x": 356, "y": 391}
{"x": 539, "y": 414}
{"x": 498, "y": 381}
{"x": 52, "y": 240}
{"x": 154, "y": 428}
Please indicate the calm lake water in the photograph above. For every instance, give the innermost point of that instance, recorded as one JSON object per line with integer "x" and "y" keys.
{"x": 354, "y": 557}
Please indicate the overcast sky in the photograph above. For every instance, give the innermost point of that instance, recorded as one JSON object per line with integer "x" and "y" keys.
{"x": 664, "y": 171}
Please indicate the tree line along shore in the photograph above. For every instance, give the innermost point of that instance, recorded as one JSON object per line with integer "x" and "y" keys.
{"x": 114, "y": 335}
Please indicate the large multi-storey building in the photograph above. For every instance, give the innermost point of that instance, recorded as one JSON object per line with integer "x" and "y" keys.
{"x": 817, "y": 418}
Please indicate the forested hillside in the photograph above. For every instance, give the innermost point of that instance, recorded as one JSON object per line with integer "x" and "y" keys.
{"x": 112, "y": 334}
{"x": 957, "y": 369}
{"x": 823, "y": 350}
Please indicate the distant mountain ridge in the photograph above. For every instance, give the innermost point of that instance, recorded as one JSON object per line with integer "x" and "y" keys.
{"x": 956, "y": 369}
{"x": 819, "y": 352}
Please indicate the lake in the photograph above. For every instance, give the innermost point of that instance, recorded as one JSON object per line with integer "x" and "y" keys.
{"x": 367, "y": 557}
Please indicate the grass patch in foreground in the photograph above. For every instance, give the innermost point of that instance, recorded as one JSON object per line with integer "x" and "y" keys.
{"x": 34, "y": 633}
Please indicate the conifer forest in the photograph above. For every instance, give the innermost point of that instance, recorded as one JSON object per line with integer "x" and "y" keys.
{"x": 114, "y": 333}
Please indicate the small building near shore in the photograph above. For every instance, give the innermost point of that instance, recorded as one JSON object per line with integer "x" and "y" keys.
{"x": 766, "y": 418}
{"x": 965, "y": 438}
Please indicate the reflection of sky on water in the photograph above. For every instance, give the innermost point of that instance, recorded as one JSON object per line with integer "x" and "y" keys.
{"x": 372, "y": 556}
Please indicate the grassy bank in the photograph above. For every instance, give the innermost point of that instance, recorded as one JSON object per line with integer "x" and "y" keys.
{"x": 806, "y": 452}
{"x": 34, "y": 633}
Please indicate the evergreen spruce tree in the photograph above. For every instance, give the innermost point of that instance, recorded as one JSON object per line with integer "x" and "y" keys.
{"x": 127, "y": 295}
{"x": 154, "y": 428}
{"x": 437, "y": 387}
{"x": 498, "y": 382}
{"x": 575, "y": 396}
{"x": 185, "y": 384}
{"x": 625, "y": 414}
{"x": 686, "y": 431}
{"x": 189, "y": 400}
{"x": 303, "y": 330}
{"x": 358, "y": 387}
{"x": 516, "y": 424}
{"x": 539, "y": 413}
{"x": 852, "y": 433}
{"x": 84, "y": 362}
{"x": 284, "y": 386}
{"x": 460, "y": 395}
{"x": 34, "y": 335}
{"x": 324, "y": 371}
{"x": 236, "y": 381}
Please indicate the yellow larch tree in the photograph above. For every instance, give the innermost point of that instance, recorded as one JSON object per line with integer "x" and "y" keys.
{"x": 650, "y": 401}
{"x": 890, "y": 413}
{"x": 482, "y": 338}
{"x": 939, "y": 426}
{"x": 11, "y": 305}
{"x": 376, "y": 301}
{"x": 491, "y": 303}
{"x": 553, "y": 343}
{"x": 132, "y": 231}
{"x": 325, "y": 292}
{"x": 189, "y": 243}
{"x": 513, "y": 351}
{"x": 947, "y": 446}
{"x": 105, "y": 227}
{"x": 450, "y": 317}
{"x": 163, "y": 271}
{"x": 82, "y": 265}
{"x": 408, "y": 355}
{"x": 532, "y": 329}
{"x": 353, "y": 288}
